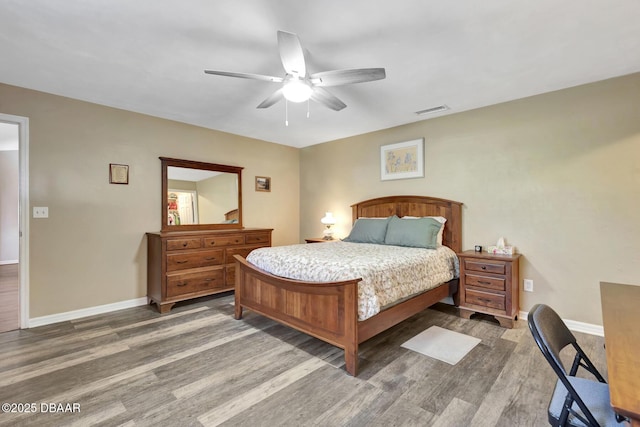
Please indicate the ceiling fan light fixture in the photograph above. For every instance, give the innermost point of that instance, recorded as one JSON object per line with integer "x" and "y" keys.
{"x": 296, "y": 90}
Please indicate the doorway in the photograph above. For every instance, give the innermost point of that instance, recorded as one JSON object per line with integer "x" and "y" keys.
{"x": 14, "y": 222}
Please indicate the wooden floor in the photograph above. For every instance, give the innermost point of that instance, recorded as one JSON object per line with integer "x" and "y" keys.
{"x": 9, "y": 298}
{"x": 199, "y": 366}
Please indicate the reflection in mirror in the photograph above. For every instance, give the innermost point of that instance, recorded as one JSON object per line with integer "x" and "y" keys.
{"x": 200, "y": 195}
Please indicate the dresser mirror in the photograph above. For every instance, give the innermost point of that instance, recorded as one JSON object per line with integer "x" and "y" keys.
{"x": 200, "y": 196}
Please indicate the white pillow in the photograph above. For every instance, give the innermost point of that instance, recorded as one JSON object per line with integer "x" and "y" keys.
{"x": 440, "y": 219}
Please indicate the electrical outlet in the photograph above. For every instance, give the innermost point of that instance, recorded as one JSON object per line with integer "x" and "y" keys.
{"x": 528, "y": 285}
{"x": 41, "y": 212}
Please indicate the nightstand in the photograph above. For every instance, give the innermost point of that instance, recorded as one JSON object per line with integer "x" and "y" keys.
{"x": 489, "y": 285}
{"x": 318, "y": 240}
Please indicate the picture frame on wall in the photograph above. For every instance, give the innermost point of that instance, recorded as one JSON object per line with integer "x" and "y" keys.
{"x": 402, "y": 160}
{"x": 263, "y": 183}
{"x": 118, "y": 174}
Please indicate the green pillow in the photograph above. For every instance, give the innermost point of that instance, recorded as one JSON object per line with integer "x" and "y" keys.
{"x": 368, "y": 230}
{"x": 415, "y": 233}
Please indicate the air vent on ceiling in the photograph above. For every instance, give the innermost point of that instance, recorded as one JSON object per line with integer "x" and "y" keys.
{"x": 432, "y": 110}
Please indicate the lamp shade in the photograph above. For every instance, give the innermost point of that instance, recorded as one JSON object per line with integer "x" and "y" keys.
{"x": 296, "y": 90}
{"x": 328, "y": 219}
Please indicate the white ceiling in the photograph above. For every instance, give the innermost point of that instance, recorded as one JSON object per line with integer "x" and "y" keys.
{"x": 149, "y": 55}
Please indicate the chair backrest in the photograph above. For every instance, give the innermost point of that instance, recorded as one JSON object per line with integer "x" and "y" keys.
{"x": 552, "y": 336}
{"x": 548, "y": 328}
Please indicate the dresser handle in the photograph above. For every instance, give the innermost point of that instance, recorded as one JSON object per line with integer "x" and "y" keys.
{"x": 182, "y": 262}
{"x": 209, "y": 280}
{"x": 182, "y": 284}
{"x": 484, "y": 267}
{"x": 237, "y": 240}
{"x": 212, "y": 243}
{"x": 210, "y": 259}
{"x": 484, "y": 283}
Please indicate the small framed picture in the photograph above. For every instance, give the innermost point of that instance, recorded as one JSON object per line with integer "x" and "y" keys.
{"x": 263, "y": 183}
{"x": 118, "y": 174}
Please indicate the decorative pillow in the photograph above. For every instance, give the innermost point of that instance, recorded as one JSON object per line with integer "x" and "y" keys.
{"x": 413, "y": 232}
{"x": 440, "y": 219}
{"x": 368, "y": 230}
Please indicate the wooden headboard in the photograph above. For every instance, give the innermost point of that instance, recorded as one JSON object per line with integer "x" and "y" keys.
{"x": 383, "y": 207}
{"x": 232, "y": 214}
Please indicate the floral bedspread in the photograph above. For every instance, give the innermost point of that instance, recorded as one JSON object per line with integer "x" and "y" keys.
{"x": 389, "y": 273}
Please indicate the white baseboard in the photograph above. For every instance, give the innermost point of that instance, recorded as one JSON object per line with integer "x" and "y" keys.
{"x": 10, "y": 261}
{"x": 84, "y": 312}
{"x": 573, "y": 325}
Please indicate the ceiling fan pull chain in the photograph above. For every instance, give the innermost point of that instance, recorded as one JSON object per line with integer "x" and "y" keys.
{"x": 286, "y": 113}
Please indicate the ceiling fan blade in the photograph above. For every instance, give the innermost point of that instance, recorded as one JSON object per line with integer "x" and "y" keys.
{"x": 325, "y": 98}
{"x": 291, "y": 54}
{"x": 246, "y": 76}
{"x": 272, "y": 99}
{"x": 345, "y": 77}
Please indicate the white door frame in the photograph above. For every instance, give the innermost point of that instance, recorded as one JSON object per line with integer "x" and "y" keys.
{"x": 23, "y": 150}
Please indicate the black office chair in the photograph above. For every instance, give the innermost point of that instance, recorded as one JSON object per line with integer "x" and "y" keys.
{"x": 575, "y": 401}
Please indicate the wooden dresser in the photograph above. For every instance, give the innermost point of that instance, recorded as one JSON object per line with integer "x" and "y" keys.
{"x": 188, "y": 264}
{"x": 489, "y": 285}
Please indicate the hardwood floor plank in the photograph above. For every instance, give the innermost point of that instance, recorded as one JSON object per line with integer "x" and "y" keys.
{"x": 199, "y": 366}
{"x": 457, "y": 413}
{"x": 218, "y": 415}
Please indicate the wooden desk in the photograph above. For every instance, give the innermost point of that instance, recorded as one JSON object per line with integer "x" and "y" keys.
{"x": 621, "y": 319}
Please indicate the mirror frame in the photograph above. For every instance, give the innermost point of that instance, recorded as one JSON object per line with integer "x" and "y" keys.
{"x": 166, "y": 163}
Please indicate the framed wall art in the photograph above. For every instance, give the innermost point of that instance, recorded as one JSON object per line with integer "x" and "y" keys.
{"x": 118, "y": 174}
{"x": 263, "y": 183}
{"x": 402, "y": 160}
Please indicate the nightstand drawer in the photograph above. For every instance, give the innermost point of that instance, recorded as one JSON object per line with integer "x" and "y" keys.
{"x": 494, "y": 283}
{"x": 484, "y": 299}
{"x": 484, "y": 266}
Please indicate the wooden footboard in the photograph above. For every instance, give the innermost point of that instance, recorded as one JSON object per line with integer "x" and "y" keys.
{"x": 328, "y": 311}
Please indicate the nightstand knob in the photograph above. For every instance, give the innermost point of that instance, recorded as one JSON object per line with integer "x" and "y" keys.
{"x": 484, "y": 267}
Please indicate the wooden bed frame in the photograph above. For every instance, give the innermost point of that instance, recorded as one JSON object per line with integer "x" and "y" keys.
{"x": 329, "y": 311}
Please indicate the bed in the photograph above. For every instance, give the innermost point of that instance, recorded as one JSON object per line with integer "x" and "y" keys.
{"x": 329, "y": 310}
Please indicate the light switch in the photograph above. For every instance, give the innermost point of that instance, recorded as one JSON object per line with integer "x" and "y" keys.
{"x": 41, "y": 212}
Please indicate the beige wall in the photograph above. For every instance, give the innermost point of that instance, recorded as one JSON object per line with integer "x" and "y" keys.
{"x": 558, "y": 175}
{"x": 217, "y": 196}
{"x": 92, "y": 250}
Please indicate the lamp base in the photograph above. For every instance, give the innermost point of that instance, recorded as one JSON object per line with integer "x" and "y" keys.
{"x": 327, "y": 234}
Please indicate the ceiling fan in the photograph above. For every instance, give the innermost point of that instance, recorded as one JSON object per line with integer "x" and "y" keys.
{"x": 298, "y": 85}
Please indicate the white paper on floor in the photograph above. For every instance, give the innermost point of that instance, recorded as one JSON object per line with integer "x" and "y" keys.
{"x": 442, "y": 344}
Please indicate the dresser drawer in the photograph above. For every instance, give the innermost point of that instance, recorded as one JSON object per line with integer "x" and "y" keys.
{"x": 487, "y": 282}
{"x": 187, "y": 283}
{"x": 240, "y": 251}
{"x": 485, "y": 266}
{"x": 235, "y": 239}
{"x": 263, "y": 238}
{"x": 183, "y": 261}
{"x": 484, "y": 299}
{"x": 230, "y": 279}
{"x": 177, "y": 244}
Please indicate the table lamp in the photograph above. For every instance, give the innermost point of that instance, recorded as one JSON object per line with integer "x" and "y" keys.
{"x": 328, "y": 221}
